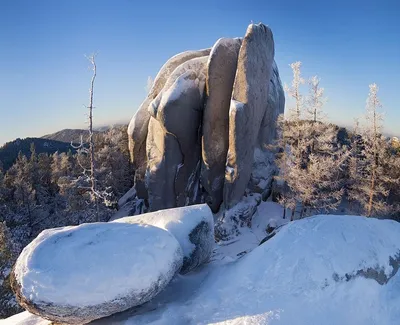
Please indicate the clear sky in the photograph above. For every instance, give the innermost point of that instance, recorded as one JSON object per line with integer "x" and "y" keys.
{"x": 44, "y": 76}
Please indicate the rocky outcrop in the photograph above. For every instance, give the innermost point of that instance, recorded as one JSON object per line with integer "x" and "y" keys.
{"x": 74, "y": 275}
{"x": 248, "y": 106}
{"x": 177, "y": 111}
{"x": 221, "y": 70}
{"x": 138, "y": 126}
{"x": 208, "y": 123}
{"x": 164, "y": 157}
{"x": 192, "y": 226}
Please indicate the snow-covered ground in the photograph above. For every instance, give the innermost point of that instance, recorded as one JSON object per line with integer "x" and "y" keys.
{"x": 315, "y": 271}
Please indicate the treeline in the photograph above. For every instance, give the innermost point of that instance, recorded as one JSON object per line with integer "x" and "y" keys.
{"x": 319, "y": 172}
{"x": 53, "y": 190}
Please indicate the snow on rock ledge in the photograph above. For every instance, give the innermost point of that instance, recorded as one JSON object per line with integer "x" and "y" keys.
{"x": 192, "y": 226}
{"x": 78, "y": 274}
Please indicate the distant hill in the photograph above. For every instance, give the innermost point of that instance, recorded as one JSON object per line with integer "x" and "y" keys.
{"x": 74, "y": 135}
{"x": 9, "y": 152}
{"x": 59, "y": 141}
{"x": 68, "y": 135}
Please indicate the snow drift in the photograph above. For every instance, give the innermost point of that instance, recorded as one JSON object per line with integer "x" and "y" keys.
{"x": 321, "y": 270}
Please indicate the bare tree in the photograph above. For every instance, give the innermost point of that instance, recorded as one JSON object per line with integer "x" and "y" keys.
{"x": 92, "y": 176}
{"x": 89, "y": 170}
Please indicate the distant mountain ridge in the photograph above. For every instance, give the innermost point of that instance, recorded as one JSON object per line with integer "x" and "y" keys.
{"x": 9, "y": 152}
{"x": 68, "y": 135}
{"x": 50, "y": 143}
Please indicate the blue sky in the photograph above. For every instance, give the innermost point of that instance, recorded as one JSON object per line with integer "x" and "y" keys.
{"x": 44, "y": 76}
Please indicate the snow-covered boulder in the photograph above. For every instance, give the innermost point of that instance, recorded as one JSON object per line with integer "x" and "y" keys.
{"x": 192, "y": 226}
{"x": 77, "y": 274}
{"x": 247, "y": 108}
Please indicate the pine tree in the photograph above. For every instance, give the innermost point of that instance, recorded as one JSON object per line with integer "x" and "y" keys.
{"x": 370, "y": 184}
{"x": 9, "y": 252}
{"x": 20, "y": 179}
{"x": 310, "y": 159}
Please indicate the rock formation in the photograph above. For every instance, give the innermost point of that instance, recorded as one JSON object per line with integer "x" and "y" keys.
{"x": 221, "y": 72}
{"x": 138, "y": 126}
{"x": 74, "y": 275}
{"x": 203, "y": 132}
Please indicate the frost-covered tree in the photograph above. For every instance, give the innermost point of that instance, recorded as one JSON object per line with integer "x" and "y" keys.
{"x": 9, "y": 252}
{"x": 370, "y": 182}
{"x": 312, "y": 167}
{"x": 294, "y": 91}
{"x": 20, "y": 180}
{"x": 311, "y": 159}
{"x": 315, "y": 100}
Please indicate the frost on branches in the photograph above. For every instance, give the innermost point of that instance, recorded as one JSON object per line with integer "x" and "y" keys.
{"x": 310, "y": 158}
{"x": 373, "y": 166}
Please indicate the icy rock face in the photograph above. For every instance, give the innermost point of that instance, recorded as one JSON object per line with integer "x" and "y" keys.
{"x": 207, "y": 125}
{"x": 74, "y": 275}
{"x": 221, "y": 70}
{"x": 192, "y": 226}
{"x": 248, "y": 106}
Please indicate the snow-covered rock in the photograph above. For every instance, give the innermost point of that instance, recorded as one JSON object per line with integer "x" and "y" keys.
{"x": 77, "y": 274}
{"x": 192, "y": 226}
{"x": 290, "y": 279}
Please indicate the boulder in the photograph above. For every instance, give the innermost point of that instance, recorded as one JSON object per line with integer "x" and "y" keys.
{"x": 275, "y": 107}
{"x": 164, "y": 158}
{"x": 178, "y": 109}
{"x": 247, "y": 108}
{"x": 264, "y": 167}
{"x": 221, "y": 70}
{"x": 74, "y": 275}
{"x": 138, "y": 126}
{"x": 192, "y": 226}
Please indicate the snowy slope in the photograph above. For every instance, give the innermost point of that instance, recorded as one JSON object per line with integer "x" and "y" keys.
{"x": 296, "y": 278}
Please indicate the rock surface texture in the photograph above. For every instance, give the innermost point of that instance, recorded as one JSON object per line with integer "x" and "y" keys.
{"x": 203, "y": 132}
{"x": 192, "y": 226}
{"x": 74, "y": 275}
{"x": 221, "y": 72}
{"x": 138, "y": 126}
{"x": 248, "y": 106}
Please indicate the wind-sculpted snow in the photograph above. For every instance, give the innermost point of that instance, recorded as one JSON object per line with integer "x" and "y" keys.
{"x": 310, "y": 272}
{"x": 77, "y": 274}
{"x": 192, "y": 226}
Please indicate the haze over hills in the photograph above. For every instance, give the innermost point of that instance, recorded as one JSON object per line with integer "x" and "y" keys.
{"x": 50, "y": 143}
{"x": 68, "y": 135}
